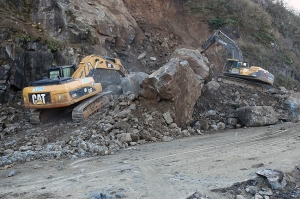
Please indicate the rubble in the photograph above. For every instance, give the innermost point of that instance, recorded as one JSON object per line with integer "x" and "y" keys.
{"x": 130, "y": 119}
{"x": 134, "y": 118}
{"x": 275, "y": 179}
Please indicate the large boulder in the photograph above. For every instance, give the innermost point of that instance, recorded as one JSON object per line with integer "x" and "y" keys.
{"x": 212, "y": 87}
{"x": 292, "y": 104}
{"x": 257, "y": 115}
{"x": 174, "y": 82}
{"x": 196, "y": 62}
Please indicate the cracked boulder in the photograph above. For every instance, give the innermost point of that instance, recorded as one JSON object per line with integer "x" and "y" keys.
{"x": 196, "y": 62}
{"x": 175, "y": 82}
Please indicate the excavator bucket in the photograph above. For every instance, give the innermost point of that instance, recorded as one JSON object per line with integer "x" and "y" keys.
{"x": 107, "y": 77}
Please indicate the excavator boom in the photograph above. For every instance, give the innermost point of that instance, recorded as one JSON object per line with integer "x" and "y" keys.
{"x": 221, "y": 38}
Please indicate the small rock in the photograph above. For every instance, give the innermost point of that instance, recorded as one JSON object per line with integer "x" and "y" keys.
{"x": 120, "y": 195}
{"x": 221, "y": 126}
{"x": 8, "y": 151}
{"x": 251, "y": 190}
{"x": 168, "y": 118}
{"x": 26, "y": 148}
{"x": 107, "y": 127}
{"x": 166, "y": 139}
{"x": 204, "y": 125}
{"x": 122, "y": 125}
{"x": 211, "y": 113}
{"x": 173, "y": 126}
{"x": 232, "y": 121}
{"x": 199, "y": 132}
{"x": 10, "y": 174}
{"x": 258, "y": 165}
{"x": 257, "y": 196}
{"x": 214, "y": 127}
{"x": 133, "y": 143}
{"x": 239, "y": 197}
{"x": 185, "y": 133}
{"x": 142, "y": 56}
{"x": 141, "y": 141}
{"x": 266, "y": 192}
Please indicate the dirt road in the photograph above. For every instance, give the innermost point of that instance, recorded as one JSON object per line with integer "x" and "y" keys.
{"x": 160, "y": 170}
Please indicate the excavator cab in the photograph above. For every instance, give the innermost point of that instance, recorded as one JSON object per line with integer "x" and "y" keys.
{"x": 234, "y": 66}
{"x": 58, "y": 75}
{"x": 61, "y": 71}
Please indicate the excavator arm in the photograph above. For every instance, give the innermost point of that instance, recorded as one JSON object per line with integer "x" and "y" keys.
{"x": 90, "y": 63}
{"x": 225, "y": 41}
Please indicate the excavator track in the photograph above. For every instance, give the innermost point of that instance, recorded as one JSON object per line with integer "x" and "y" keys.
{"x": 241, "y": 82}
{"x": 35, "y": 116}
{"x": 90, "y": 105}
{"x": 82, "y": 111}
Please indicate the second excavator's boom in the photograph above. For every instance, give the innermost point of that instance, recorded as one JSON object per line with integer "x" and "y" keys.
{"x": 225, "y": 41}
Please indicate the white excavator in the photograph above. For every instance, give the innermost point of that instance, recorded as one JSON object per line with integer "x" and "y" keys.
{"x": 235, "y": 66}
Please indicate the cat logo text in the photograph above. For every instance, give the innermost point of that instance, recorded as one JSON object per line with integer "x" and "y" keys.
{"x": 38, "y": 98}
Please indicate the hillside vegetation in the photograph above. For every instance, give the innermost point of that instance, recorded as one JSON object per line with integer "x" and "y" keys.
{"x": 267, "y": 32}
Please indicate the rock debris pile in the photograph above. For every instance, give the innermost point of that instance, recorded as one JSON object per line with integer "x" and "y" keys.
{"x": 124, "y": 122}
{"x": 262, "y": 187}
{"x": 159, "y": 108}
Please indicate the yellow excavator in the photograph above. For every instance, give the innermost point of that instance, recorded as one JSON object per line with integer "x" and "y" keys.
{"x": 80, "y": 86}
{"x": 236, "y": 67}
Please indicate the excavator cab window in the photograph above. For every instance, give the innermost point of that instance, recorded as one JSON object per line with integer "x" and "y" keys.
{"x": 54, "y": 73}
{"x": 68, "y": 72}
{"x": 232, "y": 66}
{"x": 246, "y": 65}
{"x": 61, "y": 71}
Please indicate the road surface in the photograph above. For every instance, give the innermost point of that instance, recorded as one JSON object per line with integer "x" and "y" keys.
{"x": 166, "y": 170}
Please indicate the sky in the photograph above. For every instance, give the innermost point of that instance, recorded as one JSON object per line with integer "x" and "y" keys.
{"x": 295, "y": 4}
